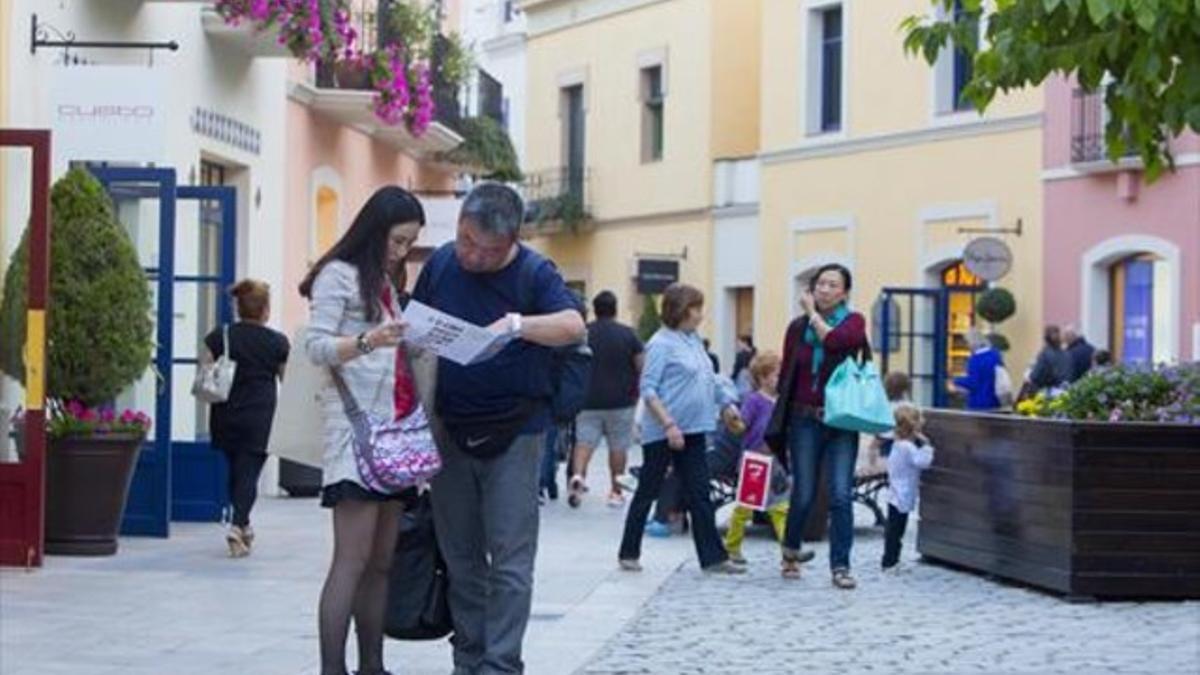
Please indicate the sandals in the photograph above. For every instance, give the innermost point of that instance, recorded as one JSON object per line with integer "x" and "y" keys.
{"x": 790, "y": 568}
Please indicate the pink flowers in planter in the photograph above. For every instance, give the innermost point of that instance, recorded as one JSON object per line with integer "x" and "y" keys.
{"x": 76, "y": 419}
{"x": 404, "y": 91}
{"x": 323, "y": 31}
{"x": 301, "y": 24}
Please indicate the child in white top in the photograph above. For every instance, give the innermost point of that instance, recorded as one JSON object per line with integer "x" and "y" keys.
{"x": 911, "y": 454}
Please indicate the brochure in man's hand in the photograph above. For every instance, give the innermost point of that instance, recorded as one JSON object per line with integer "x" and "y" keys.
{"x": 450, "y": 337}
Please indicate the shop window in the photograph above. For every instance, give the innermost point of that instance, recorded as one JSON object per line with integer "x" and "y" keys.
{"x": 1136, "y": 305}
{"x": 962, "y": 288}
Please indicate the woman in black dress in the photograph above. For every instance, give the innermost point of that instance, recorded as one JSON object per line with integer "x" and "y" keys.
{"x": 241, "y": 426}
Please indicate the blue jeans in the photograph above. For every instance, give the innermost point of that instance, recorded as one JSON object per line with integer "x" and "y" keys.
{"x": 810, "y": 444}
{"x": 549, "y": 464}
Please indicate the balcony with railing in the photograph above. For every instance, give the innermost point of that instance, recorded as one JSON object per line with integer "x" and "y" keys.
{"x": 1089, "y": 117}
{"x": 557, "y": 199}
{"x": 344, "y": 93}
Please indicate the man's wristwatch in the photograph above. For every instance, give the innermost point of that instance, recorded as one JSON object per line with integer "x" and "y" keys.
{"x": 514, "y": 324}
{"x": 364, "y": 347}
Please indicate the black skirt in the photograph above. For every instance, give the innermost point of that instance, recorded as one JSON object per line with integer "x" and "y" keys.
{"x": 331, "y": 495}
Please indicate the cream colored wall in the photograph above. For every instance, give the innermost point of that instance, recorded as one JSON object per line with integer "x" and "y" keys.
{"x": 886, "y": 90}
{"x": 904, "y": 207}
{"x": 604, "y": 258}
{"x": 5, "y": 28}
{"x": 736, "y": 32}
{"x": 605, "y": 52}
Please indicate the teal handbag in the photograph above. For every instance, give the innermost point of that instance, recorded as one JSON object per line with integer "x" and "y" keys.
{"x": 855, "y": 399}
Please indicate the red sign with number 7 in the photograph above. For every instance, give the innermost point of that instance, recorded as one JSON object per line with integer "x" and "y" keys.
{"x": 754, "y": 480}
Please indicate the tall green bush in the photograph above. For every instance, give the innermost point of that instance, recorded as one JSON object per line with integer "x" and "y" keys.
{"x": 98, "y": 324}
{"x": 650, "y": 321}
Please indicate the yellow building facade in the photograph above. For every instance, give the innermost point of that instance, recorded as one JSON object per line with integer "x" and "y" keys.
{"x": 867, "y": 160}
{"x": 631, "y": 102}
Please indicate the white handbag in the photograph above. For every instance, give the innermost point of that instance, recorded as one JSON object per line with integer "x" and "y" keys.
{"x": 214, "y": 380}
{"x": 1003, "y": 386}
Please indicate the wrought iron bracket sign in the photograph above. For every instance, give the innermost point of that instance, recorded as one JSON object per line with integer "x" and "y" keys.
{"x": 40, "y": 35}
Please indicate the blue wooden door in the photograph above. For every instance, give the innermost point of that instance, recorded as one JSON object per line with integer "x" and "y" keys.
{"x": 205, "y": 243}
{"x": 145, "y": 204}
{"x": 915, "y": 342}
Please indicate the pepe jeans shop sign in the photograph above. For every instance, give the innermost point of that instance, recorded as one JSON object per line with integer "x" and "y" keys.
{"x": 108, "y": 114}
{"x": 988, "y": 258}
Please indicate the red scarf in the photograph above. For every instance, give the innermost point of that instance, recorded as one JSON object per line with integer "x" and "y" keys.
{"x": 404, "y": 394}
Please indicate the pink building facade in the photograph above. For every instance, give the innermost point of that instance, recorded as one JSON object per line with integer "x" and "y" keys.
{"x": 339, "y": 153}
{"x": 1122, "y": 258}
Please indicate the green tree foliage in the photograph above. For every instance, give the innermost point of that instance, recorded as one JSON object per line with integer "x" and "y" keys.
{"x": 99, "y": 327}
{"x": 651, "y": 320}
{"x": 1150, "y": 48}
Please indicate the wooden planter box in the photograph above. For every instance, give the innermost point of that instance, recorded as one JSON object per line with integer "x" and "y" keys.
{"x": 1083, "y": 509}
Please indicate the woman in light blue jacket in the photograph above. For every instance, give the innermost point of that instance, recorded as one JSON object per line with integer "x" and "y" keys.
{"x": 355, "y": 293}
{"x": 682, "y": 399}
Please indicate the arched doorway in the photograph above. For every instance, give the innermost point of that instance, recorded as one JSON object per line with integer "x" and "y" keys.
{"x": 1137, "y": 308}
{"x": 1130, "y": 298}
{"x": 962, "y": 287}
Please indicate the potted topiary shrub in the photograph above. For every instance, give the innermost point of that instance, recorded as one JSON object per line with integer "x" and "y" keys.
{"x": 996, "y": 305}
{"x": 99, "y": 343}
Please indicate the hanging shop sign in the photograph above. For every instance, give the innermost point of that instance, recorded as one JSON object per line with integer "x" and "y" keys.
{"x": 653, "y": 276}
{"x": 988, "y": 258}
{"x": 114, "y": 114}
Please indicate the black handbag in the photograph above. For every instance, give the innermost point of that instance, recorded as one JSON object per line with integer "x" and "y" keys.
{"x": 418, "y": 607}
{"x": 776, "y": 433}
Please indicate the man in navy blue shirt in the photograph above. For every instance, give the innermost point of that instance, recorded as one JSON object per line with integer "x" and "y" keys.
{"x": 493, "y": 417}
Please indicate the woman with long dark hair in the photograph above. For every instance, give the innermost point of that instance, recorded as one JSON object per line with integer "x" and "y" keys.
{"x": 355, "y": 326}
{"x": 817, "y": 342}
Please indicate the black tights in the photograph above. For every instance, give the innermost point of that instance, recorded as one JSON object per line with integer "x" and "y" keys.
{"x": 364, "y": 539}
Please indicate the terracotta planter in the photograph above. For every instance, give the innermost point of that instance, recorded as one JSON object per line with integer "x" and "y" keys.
{"x": 348, "y": 76}
{"x": 87, "y": 483}
{"x": 1084, "y": 509}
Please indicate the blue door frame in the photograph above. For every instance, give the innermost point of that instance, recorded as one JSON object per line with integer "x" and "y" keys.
{"x": 174, "y": 480}
{"x": 199, "y": 487}
{"x": 912, "y": 339}
{"x": 147, "y": 511}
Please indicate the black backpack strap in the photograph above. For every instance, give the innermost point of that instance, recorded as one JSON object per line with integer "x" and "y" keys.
{"x": 527, "y": 281}
{"x": 437, "y": 264}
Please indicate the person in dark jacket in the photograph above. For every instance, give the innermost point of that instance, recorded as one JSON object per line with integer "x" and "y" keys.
{"x": 1080, "y": 351}
{"x": 817, "y": 342}
{"x": 241, "y": 426}
{"x": 980, "y": 379}
{"x": 1053, "y": 367}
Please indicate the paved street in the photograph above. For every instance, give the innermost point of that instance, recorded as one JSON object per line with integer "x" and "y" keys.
{"x": 927, "y": 619}
{"x": 179, "y": 606}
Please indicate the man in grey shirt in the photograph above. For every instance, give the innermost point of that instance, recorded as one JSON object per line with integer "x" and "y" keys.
{"x": 493, "y": 416}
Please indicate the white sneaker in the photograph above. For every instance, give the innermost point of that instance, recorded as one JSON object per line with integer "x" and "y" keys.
{"x": 616, "y": 500}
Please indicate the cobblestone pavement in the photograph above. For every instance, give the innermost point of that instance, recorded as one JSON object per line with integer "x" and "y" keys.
{"x": 927, "y": 619}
